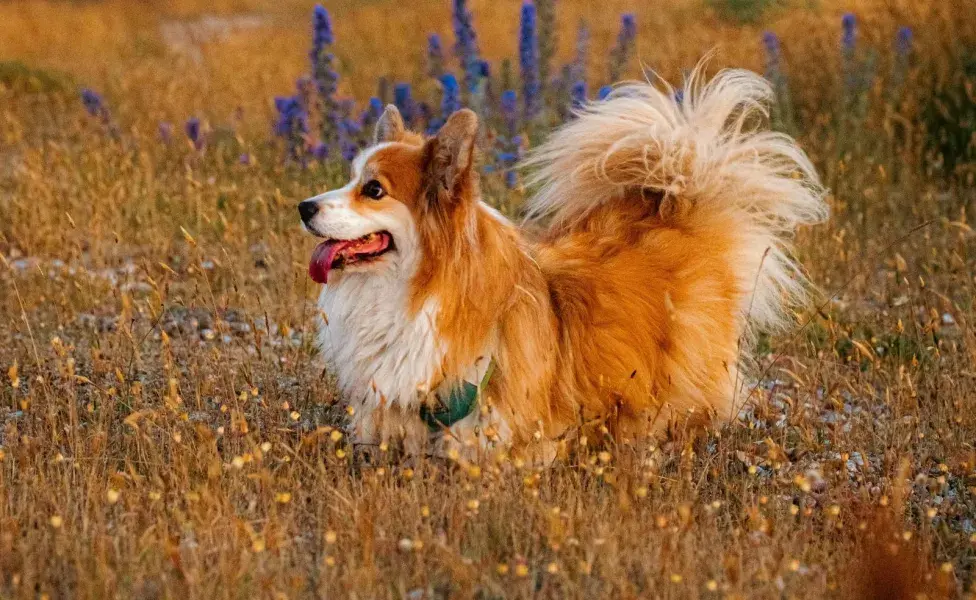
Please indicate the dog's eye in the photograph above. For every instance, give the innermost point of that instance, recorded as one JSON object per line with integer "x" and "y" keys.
{"x": 373, "y": 189}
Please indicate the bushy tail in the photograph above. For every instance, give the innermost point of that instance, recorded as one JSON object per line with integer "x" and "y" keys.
{"x": 703, "y": 149}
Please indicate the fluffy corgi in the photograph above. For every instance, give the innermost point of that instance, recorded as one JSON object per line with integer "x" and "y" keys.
{"x": 657, "y": 239}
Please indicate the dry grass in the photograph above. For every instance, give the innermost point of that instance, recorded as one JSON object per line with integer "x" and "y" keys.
{"x": 165, "y": 432}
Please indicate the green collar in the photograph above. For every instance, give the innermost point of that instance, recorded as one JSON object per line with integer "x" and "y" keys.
{"x": 460, "y": 403}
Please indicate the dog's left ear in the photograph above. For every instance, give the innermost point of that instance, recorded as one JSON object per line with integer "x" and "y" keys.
{"x": 452, "y": 150}
{"x": 390, "y": 127}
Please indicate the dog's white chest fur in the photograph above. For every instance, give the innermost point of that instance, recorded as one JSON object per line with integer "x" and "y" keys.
{"x": 376, "y": 351}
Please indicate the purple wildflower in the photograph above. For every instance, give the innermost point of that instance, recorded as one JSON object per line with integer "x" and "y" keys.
{"x": 383, "y": 90}
{"x": 321, "y": 29}
{"x": 511, "y": 178}
{"x": 509, "y": 159}
{"x": 577, "y": 94}
{"x": 529, "y": 59}
{"x": 244, "y": 159}
{"x": 194, "y": 132}
{"x": 423, "y": 113}
{"x": 320, "y": 151}
{"x": 94, "y": 104}
{"x": 852, "y": 77}
{"x": 291, "y": 115}
{"x": 604, "y": 92}
{"x": 435, "y": 56}
{"x": 465, "y": 42}
{"x": 350, "y": 130}
{"x": 292, "y": 123}
{"x": 625, "y": 46}
{"x": 403, "y": 99}
{"x": 772, "y": 45}
{"x": 546, "y": 13}
{"x": 782, "y": 110}
{"x": 903, "y": 41}
{"x": 323, "y": 73}
{"x": 486, "y": 89}
{"x": 578, "y": 69}
{"x": 165, "y": 132}
{"x": 849, "y": 25}
{"x": 510, "y": 111}
{"x": 773, "y": 56}
{"x": 371, "y": 115}
{"x": 451, "y": 99}
{"x": 348, "y": 147}
{"x": 903, "y": 50}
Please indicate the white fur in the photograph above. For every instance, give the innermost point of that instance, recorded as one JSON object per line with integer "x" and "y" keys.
{"x": 494, "y": 212}
{"x": 708, "y": 150}
{"x": 380, "y": 356}
{"x": 378, "y": 353}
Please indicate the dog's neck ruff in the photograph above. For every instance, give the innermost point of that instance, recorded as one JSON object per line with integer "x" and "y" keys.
{"x": 455, "y": 403}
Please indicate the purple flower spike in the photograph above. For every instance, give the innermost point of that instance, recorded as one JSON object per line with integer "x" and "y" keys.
{"x": 510, "y": 111}
{"x": 292, "y": 123}
{"x": 320, "y": 151}
{"x": 903, "y": 41}
{"x": 451, "y": 101}
{"x": 578, "y": 94}
{"x": 93, "y": 103}
{"x": 771, "y": 42}
{"x": 371, "y": 115}
{"x": 511, "y": 179}
{"x": 435, "y": 56}
{"x": 849, "y": 24}
{"x": 324, "y": 75}
{"x": 194, "y": 132}
{"x": 165, "y": 132}
{"x": 854, "y": 77}
{"x": 403, "y": 99}
{"x": 321, "y": 29}
{"x": 773, "y": 54}
{"x": 578, "y": 71}
{"x": 625, "y": 46}
{"x": 466, "y": 42}
{"x": 529, "y": 59}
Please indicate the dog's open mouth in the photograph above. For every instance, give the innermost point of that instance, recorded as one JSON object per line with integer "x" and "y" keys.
{"x": 335, "y": 254}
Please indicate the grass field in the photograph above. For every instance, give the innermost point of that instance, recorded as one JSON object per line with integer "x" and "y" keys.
{"x": 166, "y": 431}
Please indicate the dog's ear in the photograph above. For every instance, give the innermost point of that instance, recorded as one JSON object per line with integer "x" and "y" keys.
{"x": 452, "y": 152}
{"x": 390, "y": 127}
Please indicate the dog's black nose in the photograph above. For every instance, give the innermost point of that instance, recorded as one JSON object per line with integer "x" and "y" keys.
{"x": 307, "y": 209}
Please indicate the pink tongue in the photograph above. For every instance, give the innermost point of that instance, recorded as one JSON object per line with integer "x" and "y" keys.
{"x": 322, "y": 258}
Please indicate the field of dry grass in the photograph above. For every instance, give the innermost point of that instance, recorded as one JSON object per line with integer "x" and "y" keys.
{"x": 165, "y": 429}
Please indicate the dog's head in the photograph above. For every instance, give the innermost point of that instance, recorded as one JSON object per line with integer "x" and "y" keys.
{"x": 403, "y": 191}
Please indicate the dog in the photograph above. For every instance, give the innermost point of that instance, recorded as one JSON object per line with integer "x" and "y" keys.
{"x": 654, "y": 247}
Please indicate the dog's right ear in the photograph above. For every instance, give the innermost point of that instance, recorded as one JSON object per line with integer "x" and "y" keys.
{"x": 452, "y": 151}
{"x": 390, "y": 127}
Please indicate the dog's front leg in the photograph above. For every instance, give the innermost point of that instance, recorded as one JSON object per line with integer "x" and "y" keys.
{"x": 388, "y": 425}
